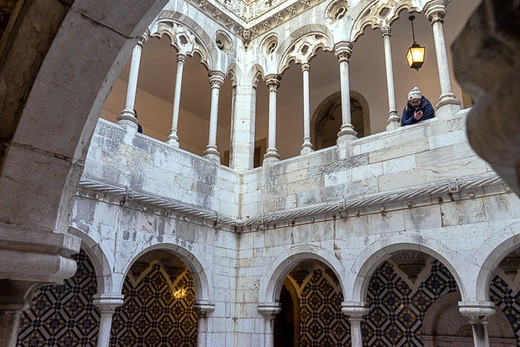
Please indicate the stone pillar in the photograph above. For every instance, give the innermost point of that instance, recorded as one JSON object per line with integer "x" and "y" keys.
{"x": 28, "y": 259}
{"x": 127, "y": 117}
{"x": 243, "y": 127}
{"x": 356, "y": 313}
{"x": 393, "y": 119}
{"x": 173, "y": 139}
{"x": 107, "y": 304}
{"x": 307, "y": 145}
{"x": 273, "y": 82}
{"x": 203, "y": 308}
{"x": 269, "y": 311}
{"x": 343, "y": 50}
{"x": 478, "y": 312}
{"x": 448, "y": 104}
{"x": 15, "y": 297}
{"x": 216, "y": 79}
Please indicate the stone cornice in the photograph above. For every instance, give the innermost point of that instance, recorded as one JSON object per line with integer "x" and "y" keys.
{"x": 434, "y": 193}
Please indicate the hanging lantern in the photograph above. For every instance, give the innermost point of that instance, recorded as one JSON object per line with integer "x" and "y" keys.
{"x": 415, "y": 54}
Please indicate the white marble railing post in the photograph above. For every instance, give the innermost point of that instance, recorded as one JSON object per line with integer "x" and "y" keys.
{"x": 393, "y": 119}
{"x": 478, "y": 313}
{"x": 216, "y": 79}
{"x": 356, "y": 313}
{"x": 343, "y": 50}
{"x": 269, "y": 311}
{"x": 173, "y": 138}
{"x": 448, "y": 103}
{"x": 273, "y": 82}
{"x": 307, "y": 145}
{"x": 127, "y": 117}
{"x": 107, "y": 304}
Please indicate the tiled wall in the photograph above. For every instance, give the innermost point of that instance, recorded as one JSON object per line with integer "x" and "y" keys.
{"x": 63, "y": 315}
{"x": 508, "y": 300}
{"x": 151, "y": 315}
{"x": 321, "y": 321}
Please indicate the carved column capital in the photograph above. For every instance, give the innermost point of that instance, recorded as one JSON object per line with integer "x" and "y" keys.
{"x": 356, "y": 311}
{"x": 343, "y": 50}
{"x": 269, "y": 310}
{"x": 386, "y": 31}
{"x": 435, "y": 11}
{"x": 273, "y": 82}
{"x": 107, "y": 303}
{"x": 181, "y": 58}
{"x": 216, "y": 79}
{"x": 306, "y": 67}
{"x": 143, "y": 39}
{"x": 477, "y": 311}
{"x": 203, "y": 307}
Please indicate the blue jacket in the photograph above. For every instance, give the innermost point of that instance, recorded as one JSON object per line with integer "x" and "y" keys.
{"x": 426, "y": 107}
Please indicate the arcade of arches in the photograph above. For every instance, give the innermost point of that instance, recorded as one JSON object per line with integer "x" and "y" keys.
{"x": 234, "y": 173}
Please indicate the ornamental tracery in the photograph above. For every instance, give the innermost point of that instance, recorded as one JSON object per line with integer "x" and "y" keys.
{"x": 183, "y": 39}
{"x": 305, "y": 49}
{"x": 381, "y": 14}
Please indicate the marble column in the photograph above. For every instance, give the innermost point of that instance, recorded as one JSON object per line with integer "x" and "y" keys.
{"x": 173, "y": 138}
{"x": 393, "y": 119}
{"x": 343, "y": 50}
{"x": 307, "y": 145}
{"x": 15, "y": 297}
{"x": 29, "y": 257}
{"x": 478, "y": 313}
{"x": 269, "y": 311}
{"x": 107, "y": 304}
{"x": 356, "y": 313}
{"x": 127, "y": 117}
{"x": 243, "y": 127}
{"x": 216, "y": 79}
{"x": 448, "y": 103}
{"x": 203, "y": 308}
{"x": 273, "y": 82}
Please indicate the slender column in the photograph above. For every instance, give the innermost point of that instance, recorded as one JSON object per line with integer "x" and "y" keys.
{"x": 173, "y": 139}
{"x": 269, "y": 311}
{"x": 393, "y": 119}
{"x": 216, "y": 79}
{"x": 127, "y": 117}
{"x": 203, "y": 308}
{"x": 307, "y": 145}
{"x": 436, "y": 11}
{"x": 356, "y": 313}
{"x": 478, "y": 313}
{"x": 15, "y": 297}
{"x": 343, "y": 50}
{"x": 273, "y": 82}
{"x": 107, "y": 304}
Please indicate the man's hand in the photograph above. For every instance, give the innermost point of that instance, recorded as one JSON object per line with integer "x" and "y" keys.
{"x": 418, "y": 115}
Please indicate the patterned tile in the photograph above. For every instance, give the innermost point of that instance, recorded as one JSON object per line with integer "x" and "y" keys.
{"x": 151, "y": 315}
{"x": 63, "y": 315}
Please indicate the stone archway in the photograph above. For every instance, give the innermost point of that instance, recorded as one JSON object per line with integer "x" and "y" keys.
{"x": 158, "y": 307}
{"x": 326, "y": 120}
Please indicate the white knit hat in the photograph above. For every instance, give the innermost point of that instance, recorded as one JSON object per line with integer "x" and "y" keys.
{"x": 415, "y": 93}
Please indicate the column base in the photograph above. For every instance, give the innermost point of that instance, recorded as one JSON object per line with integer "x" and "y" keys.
{"x": 271, "y": 156}
{"x": 306, "y": 148}
{"x": 127, "y": 120}
{"x": 212, "y": 154}
{"x": 447, "y": 106}
{"x": 393, "y": 122}
{"x": 173, "y": 142}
